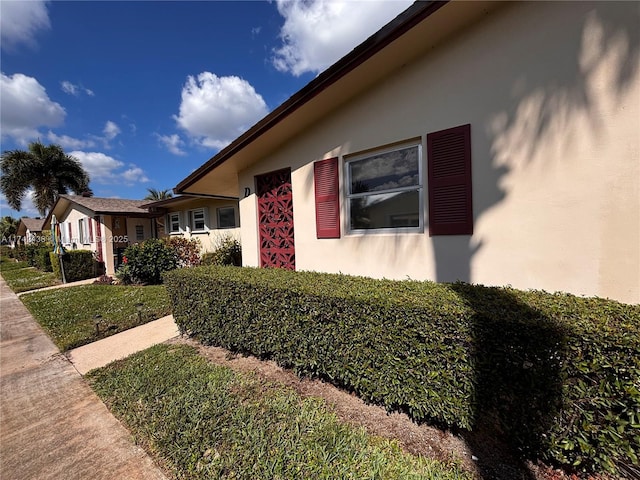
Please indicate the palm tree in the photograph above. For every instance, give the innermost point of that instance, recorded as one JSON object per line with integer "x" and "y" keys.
{"x": 156, "y": 195}
{"x": 44, "y": 168}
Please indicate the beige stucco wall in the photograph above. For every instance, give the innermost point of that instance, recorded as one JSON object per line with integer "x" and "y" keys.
{"x": 552, "y": 93}
{"x": 211, "y": 238}
{"x": 76, "y": 212}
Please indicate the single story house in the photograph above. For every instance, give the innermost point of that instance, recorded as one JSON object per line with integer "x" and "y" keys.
{"x": 30, "y": 230}
{"x": 488, "y": 142}
{"x": 207, "y": 219}
{"x": 106, "y": 226}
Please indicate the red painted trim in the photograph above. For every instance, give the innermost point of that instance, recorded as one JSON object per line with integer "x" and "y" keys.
{"x": 327, "y": 193}
{"x": 89, "y": 220}
{"x": 98, "y": 238}
{"x": 450, "y": 183}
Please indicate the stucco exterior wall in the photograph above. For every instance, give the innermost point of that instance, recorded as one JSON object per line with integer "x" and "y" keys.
{"x": 209, "y": 239}
{"x": 105, "y": 237}
{"x": 552, "y": 93}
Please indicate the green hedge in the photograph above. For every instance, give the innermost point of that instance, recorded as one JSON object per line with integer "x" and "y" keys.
{"x": 38, "y": 255}
{"x": 557, "y": 376}
{"x": 78, "y": 265}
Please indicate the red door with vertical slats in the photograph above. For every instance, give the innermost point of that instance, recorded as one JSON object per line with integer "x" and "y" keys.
{"x": 275, "y": 220}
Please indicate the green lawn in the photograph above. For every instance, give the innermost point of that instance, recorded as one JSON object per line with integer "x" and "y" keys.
{"x": 205, "y": 421}
{"x": 21, "y": 278}
{"x": 67, "y": 314}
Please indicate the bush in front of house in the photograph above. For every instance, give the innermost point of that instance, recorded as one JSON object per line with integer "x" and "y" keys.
{"x": 145, "y": 262}
{"x": 228, "y": 251}
{"x": 78, "y": 265}
{"x": 187, "y": 251}
{"x": 37, "y": 255}
{"x": 554, "y": 375}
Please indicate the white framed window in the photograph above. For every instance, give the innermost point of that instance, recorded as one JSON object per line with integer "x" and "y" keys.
{"x": 226, "y": 217}
{"x": 83, "y": 231}
{"x": 64, "y": 233}
{"x": 173, "y": 222}
{"x": 384, "y": 190}
{"x": 198, "y": 220}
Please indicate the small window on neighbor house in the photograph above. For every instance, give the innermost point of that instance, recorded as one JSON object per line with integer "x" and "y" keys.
{"x": 139, "y": 233}
{"x": 226, "y": 217}
{"x": 385, "y": 189}
{"x": 83, "y": 231}
{"x": 174, "y": 222}
{"x": 197, "y": 220}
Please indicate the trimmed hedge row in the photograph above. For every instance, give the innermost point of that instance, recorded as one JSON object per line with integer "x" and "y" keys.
{"x": 556, "y": 375}
{"x": 78, "y": 265}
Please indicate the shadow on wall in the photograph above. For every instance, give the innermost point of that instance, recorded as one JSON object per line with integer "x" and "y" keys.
{"x": 545, "y": 101}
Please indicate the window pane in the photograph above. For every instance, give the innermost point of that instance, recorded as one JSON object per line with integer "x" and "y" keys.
{"x": 175, "y": 222}
{"x": 386, "y": 210}
{"x": 226, "y": 217}
{"x": 385, "y": 171}
{"x": 197, "y": 219}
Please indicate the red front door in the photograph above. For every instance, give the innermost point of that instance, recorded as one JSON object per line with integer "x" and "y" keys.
{"x": 275, "y": 220}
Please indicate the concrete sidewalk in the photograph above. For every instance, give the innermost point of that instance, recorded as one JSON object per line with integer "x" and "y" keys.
{"x": 121, "y": 345}
{"x": 53, "y": 425}
{"x": 88, "y": 281}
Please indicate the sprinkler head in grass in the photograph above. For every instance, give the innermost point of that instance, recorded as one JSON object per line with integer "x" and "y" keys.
{"x": 139, "y": 309}
{"x": 97, "y": 319}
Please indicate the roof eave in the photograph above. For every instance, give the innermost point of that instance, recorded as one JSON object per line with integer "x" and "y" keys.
{"x": 394, "y": 29}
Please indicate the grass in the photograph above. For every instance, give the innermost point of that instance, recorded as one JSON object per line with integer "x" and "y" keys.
{"x": 67, "y": 314}
{"x": 204, "y": 421}
{"x": 21, "y": 278}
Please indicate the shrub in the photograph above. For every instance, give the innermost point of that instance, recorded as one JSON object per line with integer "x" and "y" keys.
{"x": 554, "y": 375}
{"x": 78, "y": 265}
{"x": 19, "y": 253}
{"x": 228, "y": 251}
{"x": 186, "y": 251}
{"x": 37, "y": 254}
{"x": 145, "y": 262}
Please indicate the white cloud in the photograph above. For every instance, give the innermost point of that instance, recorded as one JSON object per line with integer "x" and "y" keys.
{"x": 75, "y": 90}
{"x": 172, "y": 143}
{"x": 20, "y": 22}
{"x": 104, "y": 169}
{"x": 317, "y": 33}
{"x": 68, "y": 142}
{"x": 25, "y": 106}
{"x": 134, "y": 174}
{"x": 111, "y": 130}
{"x": 215, "y": 110}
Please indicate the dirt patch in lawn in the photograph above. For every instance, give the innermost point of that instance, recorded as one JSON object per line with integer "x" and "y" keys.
{"x": 489, "y": 461}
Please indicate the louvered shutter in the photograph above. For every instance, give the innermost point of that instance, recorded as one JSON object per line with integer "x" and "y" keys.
{"x": 90, "y": 222}
{"x": 450, "y": 202}
{"x": 327, "y": 191}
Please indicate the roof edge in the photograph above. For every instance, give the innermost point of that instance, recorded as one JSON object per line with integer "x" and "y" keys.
{"x": 372, "y": 45}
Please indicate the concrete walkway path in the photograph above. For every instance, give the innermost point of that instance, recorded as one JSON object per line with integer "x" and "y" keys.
{"x": 121, "y": 345}
{"x": 52, "y": 425}
{"x": 88, "y": 281}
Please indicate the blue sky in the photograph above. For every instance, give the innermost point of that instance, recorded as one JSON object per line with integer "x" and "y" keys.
{"x": 143, "y": 93}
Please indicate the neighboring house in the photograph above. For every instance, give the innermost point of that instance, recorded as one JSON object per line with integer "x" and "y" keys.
{"x": 105, "y": 226}
{"x": 207, "y": 219}
{"x": 30, "y": 230}
{"x": 489, "y": 142}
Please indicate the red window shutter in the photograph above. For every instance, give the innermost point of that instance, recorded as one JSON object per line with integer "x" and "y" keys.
{"x": 90, "y": 229}
{"x": 70, "y": 233}
{"x": 325, "y": 179}
{"x": 450, "y": 202}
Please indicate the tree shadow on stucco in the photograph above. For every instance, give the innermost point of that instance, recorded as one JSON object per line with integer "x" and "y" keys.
{"x": 516, "y": 349}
